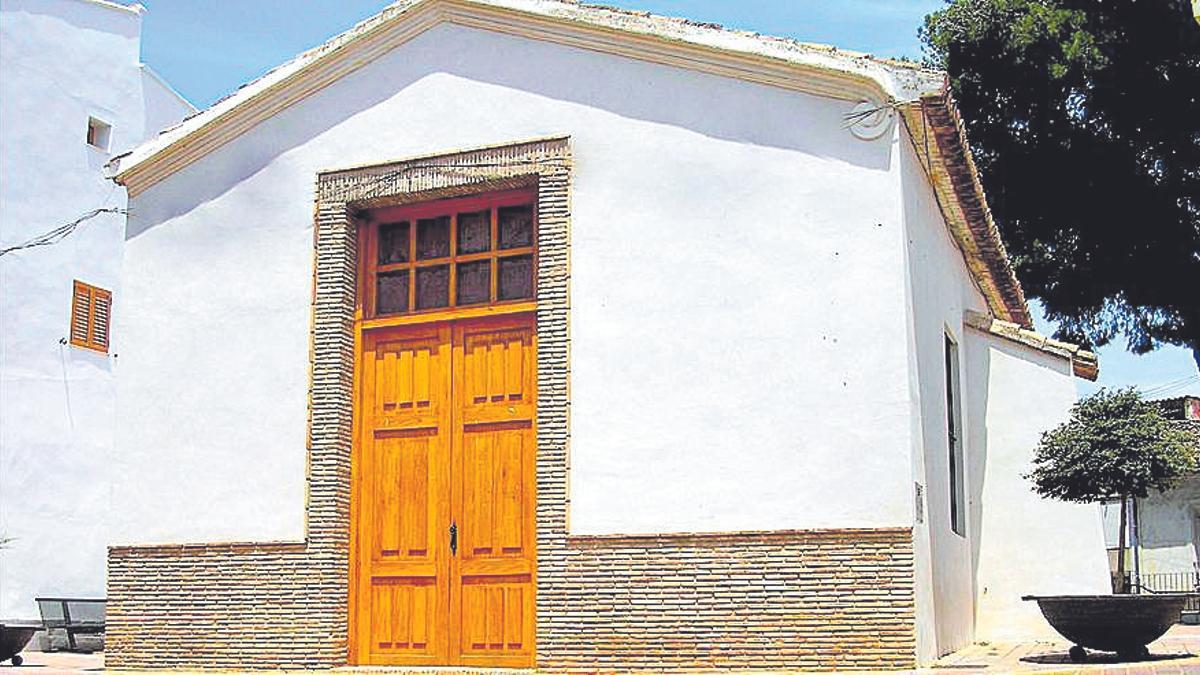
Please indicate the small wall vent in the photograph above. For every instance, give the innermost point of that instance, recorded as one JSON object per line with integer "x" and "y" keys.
{"x": 98, "y": 133}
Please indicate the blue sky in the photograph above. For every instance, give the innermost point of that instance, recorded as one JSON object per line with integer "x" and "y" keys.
{"x": 206, "y": 49}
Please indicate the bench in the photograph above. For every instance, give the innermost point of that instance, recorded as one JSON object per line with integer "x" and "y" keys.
{"x": 74, "y": 616}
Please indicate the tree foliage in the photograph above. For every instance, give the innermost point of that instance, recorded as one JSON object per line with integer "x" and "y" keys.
{"x": 1084, "y": 117}
{"x": 1114, "y": 445}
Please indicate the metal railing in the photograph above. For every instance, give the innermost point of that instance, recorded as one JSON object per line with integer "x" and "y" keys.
{"x": 75, "y": 617}
{"x": 1173, "y": 582}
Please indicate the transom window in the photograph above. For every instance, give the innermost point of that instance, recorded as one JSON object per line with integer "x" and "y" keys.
{"x": 452, "y": 253}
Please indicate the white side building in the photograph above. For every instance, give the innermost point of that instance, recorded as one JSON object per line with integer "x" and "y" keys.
{"x": 1167, "y": 530}
{"x": 73, "y": 94}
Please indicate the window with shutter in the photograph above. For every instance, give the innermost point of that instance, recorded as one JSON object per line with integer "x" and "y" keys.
{"x": 91, "y": 310}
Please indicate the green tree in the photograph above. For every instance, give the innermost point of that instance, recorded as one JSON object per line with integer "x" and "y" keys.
{"x": 1114, "y": 446}
{"x": 1084, "y": 117}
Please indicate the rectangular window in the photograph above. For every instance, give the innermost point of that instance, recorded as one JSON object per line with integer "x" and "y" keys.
{"x": 954, "y": 439}
{"x": 468, "y": 252}
{"x": 91, "y": 309}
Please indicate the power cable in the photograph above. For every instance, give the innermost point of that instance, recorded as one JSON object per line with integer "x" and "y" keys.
{"x": 62, "y": 231}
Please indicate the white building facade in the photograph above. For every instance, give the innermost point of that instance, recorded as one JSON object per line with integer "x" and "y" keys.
{"x": 783, "y": 395}
{"x": 1166, "y": 532}
{"x": 73, "y": 93}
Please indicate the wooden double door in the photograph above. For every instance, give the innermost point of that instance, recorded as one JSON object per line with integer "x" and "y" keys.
{"x": 443, "y": 558}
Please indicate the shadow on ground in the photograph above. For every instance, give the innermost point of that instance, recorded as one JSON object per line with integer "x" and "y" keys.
{"x": 1062, "y": 658}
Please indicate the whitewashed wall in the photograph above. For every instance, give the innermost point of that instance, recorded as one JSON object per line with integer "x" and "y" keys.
{"x": 162, "y": 106}
{"x": 738, "y": 350}
{"x": 1014, "y": 543}
{"x": 1168, "y": 523}
{"x": 940, "y": 289}
{"x": 61, "y": 61}
{"x": 1027, "y": 545}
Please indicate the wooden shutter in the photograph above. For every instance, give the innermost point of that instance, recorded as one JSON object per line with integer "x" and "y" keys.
{"x": 91, "y": 309}
{"x": 101, "y": 304}
{"x": 81, "y": 314}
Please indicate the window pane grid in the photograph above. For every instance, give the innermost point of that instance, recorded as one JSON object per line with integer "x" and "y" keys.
{"x": 468, "y": 253}
{"x": 494, "y": 221}
{"x": 467, "y": 257}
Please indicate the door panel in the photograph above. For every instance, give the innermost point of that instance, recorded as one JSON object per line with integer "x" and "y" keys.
{"x": 403, "y": 499}
{"x": 494, "y": 617}
{"x": 446, "y": 435}
{"x": 492, "y": 577}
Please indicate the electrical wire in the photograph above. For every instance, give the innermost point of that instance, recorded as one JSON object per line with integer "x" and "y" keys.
{"x": 62, "y": 231}
{"x": 1170, "y": 387}
{"x": 1172, "y": 383}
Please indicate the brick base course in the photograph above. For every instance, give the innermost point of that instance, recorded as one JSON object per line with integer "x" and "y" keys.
{"x": 820, "y": 599}
{"x": 224, "y": 606}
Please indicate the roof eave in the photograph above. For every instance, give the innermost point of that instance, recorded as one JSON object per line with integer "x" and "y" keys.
{"x": 939, "y": 138}
{"x": 1084, "y": 363}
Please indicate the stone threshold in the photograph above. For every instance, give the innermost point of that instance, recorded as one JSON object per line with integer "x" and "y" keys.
{"x": 434, "y": 670}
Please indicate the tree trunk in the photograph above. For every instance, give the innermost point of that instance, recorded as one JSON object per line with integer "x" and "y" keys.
{"x": 1136, "y": 544}
{"x": 1121, "y": 586}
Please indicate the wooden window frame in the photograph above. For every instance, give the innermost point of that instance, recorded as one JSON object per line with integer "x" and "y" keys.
{"x": 449, "y": 207}
{"x": 89, "y": 338}
{"x": 956, "y": 453}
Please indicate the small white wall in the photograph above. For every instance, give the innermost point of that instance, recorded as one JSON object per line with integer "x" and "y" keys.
{"x": 1027, "y": 545}
{"x": 1167, "y": 526}
{"x": 61, "y": 61}
{"x": 940, "y": 288}
{"x": 162, "y": 106}
{"x": 738, "y": 355}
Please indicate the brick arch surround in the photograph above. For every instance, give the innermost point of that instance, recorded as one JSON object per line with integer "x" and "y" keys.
{"x": 543, "y": 164}
{"x": 783, "y": 599}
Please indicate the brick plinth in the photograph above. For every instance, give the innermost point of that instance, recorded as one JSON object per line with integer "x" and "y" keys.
{"x": 221, "y": 606}
{"x": 820, "y": 599}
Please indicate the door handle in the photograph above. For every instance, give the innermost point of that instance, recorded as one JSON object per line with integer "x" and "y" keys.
{"x": 453, "y": 538}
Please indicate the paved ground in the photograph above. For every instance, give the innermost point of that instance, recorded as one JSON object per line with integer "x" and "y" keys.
{"x": 1176, "y": 653}
{"x": 42, "y": 663}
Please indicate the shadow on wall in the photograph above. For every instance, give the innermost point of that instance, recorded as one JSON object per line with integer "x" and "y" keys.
{"x": 1025, "y": 544}
{"x": 979, "y": 360}
{"x": 104, "y": 20}
{"x": 713, "y": 106}
{"x": 1169, "y": 530}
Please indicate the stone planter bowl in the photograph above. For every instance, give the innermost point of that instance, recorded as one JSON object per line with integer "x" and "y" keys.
{"x": 13, "y": 638}
{"x": 1124, "y": 624}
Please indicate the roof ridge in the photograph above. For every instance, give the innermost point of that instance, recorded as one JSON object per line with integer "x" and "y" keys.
{"x": 711, "y": 25}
